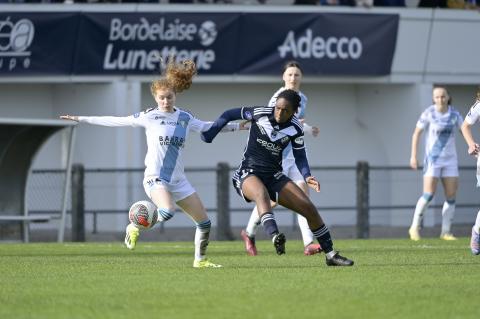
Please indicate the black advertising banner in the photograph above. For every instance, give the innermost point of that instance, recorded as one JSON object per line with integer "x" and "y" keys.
{"x": 220, "y": 43}
{"x": 122, "y": 43}
{"x": 324, "y": 43}
{"x": 37, "y": 43}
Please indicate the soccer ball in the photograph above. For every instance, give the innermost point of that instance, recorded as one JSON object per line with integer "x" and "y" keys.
{"x": 143, "y": 214}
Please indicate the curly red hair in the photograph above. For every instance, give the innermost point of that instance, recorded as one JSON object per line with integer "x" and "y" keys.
{"x": 177, "y": 76}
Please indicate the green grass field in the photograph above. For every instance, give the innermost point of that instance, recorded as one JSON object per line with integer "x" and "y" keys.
{"x": 391, "y": 279}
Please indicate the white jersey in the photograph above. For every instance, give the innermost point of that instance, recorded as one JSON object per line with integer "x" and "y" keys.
{"x": 166, "y": 137}
{"x": 288, "y": 158}
{"x": 473, "y": 117}
{"x": 440, "y": 138}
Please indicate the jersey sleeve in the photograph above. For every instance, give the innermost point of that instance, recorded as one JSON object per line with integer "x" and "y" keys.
{"x": 302, "y": 109}
{"x": 298, "y": 142}
{"x": 473, "y": 114}
{"x": 298, "y": 149}
{"x": 201, "y": 126}
{"x": 230, "y": 115}
{"x": 423, "y": 120}
{"x": 247, "y": 113}
{"x": 136, "y": 119}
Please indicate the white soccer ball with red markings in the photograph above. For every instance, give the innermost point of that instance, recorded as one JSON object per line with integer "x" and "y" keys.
{"x": 143, "y": 214}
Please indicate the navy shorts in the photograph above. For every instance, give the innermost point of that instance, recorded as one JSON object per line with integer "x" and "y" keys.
{"x": 273, "y": 182}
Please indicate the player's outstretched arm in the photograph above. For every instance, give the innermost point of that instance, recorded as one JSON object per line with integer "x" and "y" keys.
{"x": 69, "y": 117}
{"x": 227, "y": 116}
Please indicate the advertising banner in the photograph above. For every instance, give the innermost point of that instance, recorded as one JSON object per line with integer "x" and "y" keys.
{"x": 324, "y": 43}
{"x": 37, "y": 43}
{"x": 122, "y": 43}
{"x": 220, "y": 43}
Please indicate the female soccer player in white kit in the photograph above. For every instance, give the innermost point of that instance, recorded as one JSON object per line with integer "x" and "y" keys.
{"x": 292, "y": 78}
{"x": 473, "y": 117}
{"x": 166, "y": 128}
{"x": 442, "y": 120}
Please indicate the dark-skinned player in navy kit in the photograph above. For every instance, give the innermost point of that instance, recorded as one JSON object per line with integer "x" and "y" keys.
{"x": 260, "y": 178}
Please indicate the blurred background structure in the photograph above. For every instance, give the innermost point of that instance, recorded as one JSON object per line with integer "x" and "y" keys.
{"x": 369, "y": 73}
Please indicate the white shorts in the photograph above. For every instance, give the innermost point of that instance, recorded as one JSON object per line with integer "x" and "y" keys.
{"x": 441, "y": 170}
{"x": 290, "y": 169}
{"x": 179, "y": 190}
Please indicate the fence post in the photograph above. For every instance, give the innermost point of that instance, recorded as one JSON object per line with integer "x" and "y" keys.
{"x": 224, "y": 232}
{"x": 363, "y": 224}
{"x": 78, "y": 203}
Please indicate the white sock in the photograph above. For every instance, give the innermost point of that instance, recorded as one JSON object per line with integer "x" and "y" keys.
{"x": 477, "y": 223}
{"x": 331, "y": 254}
{"x": 307, "y": 235}
{"x": 448, "y": 211}
{"x": 253, "y": 223}
{"x": 202, "y": 233}
{"x": 422, "y": 205}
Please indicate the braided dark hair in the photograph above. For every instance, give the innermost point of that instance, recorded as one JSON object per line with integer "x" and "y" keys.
{"x": 292, "y": 97}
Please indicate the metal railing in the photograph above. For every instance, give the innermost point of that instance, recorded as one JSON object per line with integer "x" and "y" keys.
{"x": 349, "y": 191}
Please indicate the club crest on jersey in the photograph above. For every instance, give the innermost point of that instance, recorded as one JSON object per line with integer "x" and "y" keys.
{"x": 136, "y": 115}
{"x": 182, "y": 123}
{"x": 299, "y": 140}
{"x": 274, "y": 134}
{"x": 248, "y": 115}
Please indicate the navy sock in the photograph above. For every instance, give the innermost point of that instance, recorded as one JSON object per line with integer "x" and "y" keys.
{"x": 269, "y": 224}
{"x": 324, "y": 239}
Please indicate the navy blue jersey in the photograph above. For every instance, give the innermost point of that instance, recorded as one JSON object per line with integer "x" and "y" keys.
{"x": 267, "y": 139}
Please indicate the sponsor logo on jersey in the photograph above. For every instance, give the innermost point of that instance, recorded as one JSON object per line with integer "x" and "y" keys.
{"x": 272, "y": 147}
{"x": 172, "y": 140}
{"x": 299, "y": 140}
{"x": 182, "y": 123}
